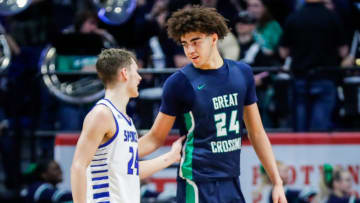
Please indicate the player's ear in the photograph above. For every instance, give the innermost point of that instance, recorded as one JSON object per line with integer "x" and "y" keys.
{"x": 123, "y": 73}
{"x": 214, "y": 38}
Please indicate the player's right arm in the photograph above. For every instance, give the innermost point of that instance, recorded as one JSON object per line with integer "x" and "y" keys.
{"x": 157, "y": 134}
{"x": 96, "y": 125}
{"x": 171, "y": 105}
{"x": 149, "y": 167}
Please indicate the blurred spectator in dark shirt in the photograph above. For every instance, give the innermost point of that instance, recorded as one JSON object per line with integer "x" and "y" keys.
{"x": 314, "y": 38}
{"x": 281, "y": 9}
{"x": 43, "y": 184}
{"x": 336, "y": 186}
{"x": 226, "y": 8}
{"x": 341, "y": 186}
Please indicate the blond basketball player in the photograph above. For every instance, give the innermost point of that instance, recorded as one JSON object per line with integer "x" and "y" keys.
{"x": 105, "y": 167}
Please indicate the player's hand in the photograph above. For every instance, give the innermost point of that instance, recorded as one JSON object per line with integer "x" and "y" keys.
{"x": 278, "y": 194}
{"x": 176, "y": 149}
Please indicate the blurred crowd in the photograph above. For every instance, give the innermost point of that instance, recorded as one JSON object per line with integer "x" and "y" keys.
{"x": 305, "y": 55}
{"x": 335, "y": 186}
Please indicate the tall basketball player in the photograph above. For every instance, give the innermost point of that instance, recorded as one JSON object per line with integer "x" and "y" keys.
{"x": 212, "y": 96}
{"x": 105, "y": 167}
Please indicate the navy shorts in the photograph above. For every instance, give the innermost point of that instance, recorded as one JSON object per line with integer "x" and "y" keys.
{"x": 215, "y": 191}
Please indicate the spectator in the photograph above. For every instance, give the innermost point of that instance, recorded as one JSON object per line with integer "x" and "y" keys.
{"x": 42, "y": 189}
{"x": 313, "y": 37}
{"x": 325, "y": 183}
{"x": 268, "y": 30}
{"x": 341, "y": 187}
{"x": 292, "y": 195}
{"x": 335, "y": 186}
{"x": 267, "y": 34}
{"x": 77, "y": 48}
{"x": 86, "y": 22}
{"x": 252, "y": 54}
{"x": 281, "y": 9}
{"x": 227, "y": 8}
{"x": 30, "y": 30}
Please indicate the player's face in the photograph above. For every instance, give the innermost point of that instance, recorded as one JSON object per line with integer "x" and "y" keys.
{"x": 134, "y": 79}
{"x": 198, "y": 47}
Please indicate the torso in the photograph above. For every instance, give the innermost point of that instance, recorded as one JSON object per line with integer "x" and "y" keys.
{"x": 212, "y": 120}
{"x": 113, "y": 174}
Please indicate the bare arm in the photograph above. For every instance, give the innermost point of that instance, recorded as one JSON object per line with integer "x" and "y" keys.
{"x": 96, "y": 125}
{"x": 149, "y": 167}
{"x": 157, "y": 134}
{"x": 262, "y": 146}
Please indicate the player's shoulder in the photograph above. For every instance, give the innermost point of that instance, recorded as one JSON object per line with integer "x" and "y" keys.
{"x": 99, "y": 120}
{"x": 176, "y": 78}
{"x": 177, "y": 75}
{"x": 238, "y": 64}
{"x": 99, "y": 113}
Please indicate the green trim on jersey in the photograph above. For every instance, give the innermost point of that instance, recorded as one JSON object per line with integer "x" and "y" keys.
{"x": 186, "y": 161}
{"x": 192, "y": 193}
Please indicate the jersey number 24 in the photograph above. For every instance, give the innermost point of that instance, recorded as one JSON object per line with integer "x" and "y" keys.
{"x": 133, "y": 162}
{"x": 221, "y": 127}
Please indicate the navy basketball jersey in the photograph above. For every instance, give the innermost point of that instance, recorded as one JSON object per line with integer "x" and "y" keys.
{"x": 210, "y": 104}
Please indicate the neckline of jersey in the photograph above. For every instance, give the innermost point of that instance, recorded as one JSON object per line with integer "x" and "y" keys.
{"x": 128, "y": 120}
{"x": 212, "y": 71}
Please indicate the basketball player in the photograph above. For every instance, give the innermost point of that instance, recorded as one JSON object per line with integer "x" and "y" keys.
{"x": 211, "y": 96}
{"x": 105, "y": 167}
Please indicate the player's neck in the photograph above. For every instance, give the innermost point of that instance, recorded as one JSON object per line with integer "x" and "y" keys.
{"x": 215, "y": 61}
{"x": 118, "y": 97}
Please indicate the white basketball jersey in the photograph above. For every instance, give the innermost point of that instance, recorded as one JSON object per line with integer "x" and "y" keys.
{"x": 113, "y": 174}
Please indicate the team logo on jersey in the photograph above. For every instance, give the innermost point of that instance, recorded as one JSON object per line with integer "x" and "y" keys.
{"x": 200, "y": 87}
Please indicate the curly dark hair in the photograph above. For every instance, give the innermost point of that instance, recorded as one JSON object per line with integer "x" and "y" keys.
{"x": 110, "y": 61}
{"x": 196, "y": 19}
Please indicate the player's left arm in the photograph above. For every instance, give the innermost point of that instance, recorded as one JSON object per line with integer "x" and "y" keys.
{"x": 262, "y": 146}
